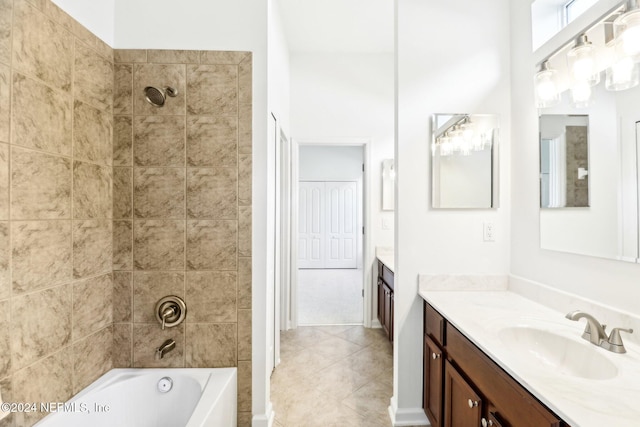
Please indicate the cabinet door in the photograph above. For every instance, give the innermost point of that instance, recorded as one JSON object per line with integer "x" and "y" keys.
{"x": 381, "y": 302}
{"x": 388, "y": 315}
{"x": 433, "y": 371}
{"x": 463, "y": 406}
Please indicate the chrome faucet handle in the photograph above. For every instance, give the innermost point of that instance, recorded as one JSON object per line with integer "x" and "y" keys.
{"x": 614, "y": 337}
{"x": 593, "y": 331}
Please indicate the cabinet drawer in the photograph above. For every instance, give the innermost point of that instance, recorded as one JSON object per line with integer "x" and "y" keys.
{"x": 434, "y": 324}
{"x": 387, "y": 276}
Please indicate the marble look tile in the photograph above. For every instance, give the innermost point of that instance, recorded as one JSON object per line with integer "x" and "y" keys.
{"x": 212, "y": 245}
{"x": 339, "y": 380}
{"x": 4, "y": 181}
{"x": 123, "y": 245}
{"x": 244, "y": 282}
{"x": 92, "y": 186}
{"x": 40, "y": 323}
{"x": 245, "y": 142}
{"x": 223, "y": 57}
{"x": 93, "y": 78}
{"x": 122, "y": 141}
{"x": 122, "y": 351}
{"x": 244, "y": 231}
{"x": 244, "y": 386}
{"x": 363, "y": 336}
{"x": 147, "y": 337}
{"x": 123, "y": 89}
{"x": 7, "y": 396}
{"x": 212, "y": 193}
{"x": 244, "y": 179}
{"x": 47, "y": 380}
{"x": 40, "y": 185}
{"x": 372, "y": 399}
{"x": 130, "y": 55}
{"x": 212, "y": 89}
{"x": 104, "y": 49}
{"x": 212, "y": 141}
{"x": 5, "y": 99}
{"x": 159, "y": 193}
{"x": 122, "y": 296}
{"x": 159, "y": 141}
{"x": 244, "y": 419}
{"x": 158, "y": 245}
{"x": 159, "y": 76}
{"x": 335, "y": 347}
{"x": 211, "y": 345}
{"x": 372, "y": 361}
{"x": 5, "y": 338}
{"x": 5, "y": 275}
{"x": 244, "y": 81}
{"x": 174, "y": 56}
{"x": 41, "y": 48}
{"x": 6, "y": 15}
{"x": 92, "y": 134}
{"x": 92, "y": 253}
{"x": 304, "y": 336}
{"x": 48, "y": 242}
{"x": 244, "y": 334}
{"x": 92, "y": 358}
{"x": 41, "y": 116}
{"x": 149, "y": 288}
{"x": 123, "y": 192}
{"x": 211, "y": 296}
{"x": 92, "y": 306}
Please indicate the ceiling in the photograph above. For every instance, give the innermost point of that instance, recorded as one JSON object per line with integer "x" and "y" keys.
{"x": 338, "y": 26}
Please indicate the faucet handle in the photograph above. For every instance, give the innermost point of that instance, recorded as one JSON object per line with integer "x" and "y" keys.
{"x": 614, "y": 337}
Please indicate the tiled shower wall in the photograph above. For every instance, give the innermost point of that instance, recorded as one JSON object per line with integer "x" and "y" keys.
{"x": 56, "y": 125}
{"x": 182, "y": 210}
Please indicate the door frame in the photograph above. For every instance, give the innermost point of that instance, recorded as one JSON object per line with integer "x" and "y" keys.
{"x": 367, "y": 248}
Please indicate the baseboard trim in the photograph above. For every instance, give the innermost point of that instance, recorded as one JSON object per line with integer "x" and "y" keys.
{"x": 375, "y": 323}
{"x": 408, "y": 417}
{"x": 264, "y": 420}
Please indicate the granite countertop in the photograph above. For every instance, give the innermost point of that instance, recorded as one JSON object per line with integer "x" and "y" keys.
{"x": 386, "y": 256}
{"x": 581, "y": 402}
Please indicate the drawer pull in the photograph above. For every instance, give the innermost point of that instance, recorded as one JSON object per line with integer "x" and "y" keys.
{"x": 473, "y": 403}
{"x": 486, "y": 423}
{"x": 435, "y": 356}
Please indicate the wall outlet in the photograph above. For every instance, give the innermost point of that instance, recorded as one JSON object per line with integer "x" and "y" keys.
{"x": 488, "y": 232}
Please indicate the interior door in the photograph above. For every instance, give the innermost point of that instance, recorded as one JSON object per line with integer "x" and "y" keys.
{"x": 341, "y": 244}
{"x": 311, "y": 225}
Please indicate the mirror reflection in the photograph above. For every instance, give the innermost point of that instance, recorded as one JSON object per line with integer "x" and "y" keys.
{"x": 463, "y": 161}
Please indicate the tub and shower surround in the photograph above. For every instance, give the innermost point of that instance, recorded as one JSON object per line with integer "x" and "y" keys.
{"x": 182, "y": 210}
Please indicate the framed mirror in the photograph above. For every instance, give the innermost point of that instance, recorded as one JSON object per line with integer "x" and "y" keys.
{"x": 388, "y": 184}
{"x": 464, "y": 161}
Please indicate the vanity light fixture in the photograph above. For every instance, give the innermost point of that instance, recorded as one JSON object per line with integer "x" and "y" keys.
{"x": 623, "y": 73}
{"x": 581, "y": 94}
{"x": 626, "y": 28}
{"x": 582, "y": 62}
{"x": 546, "y": 85}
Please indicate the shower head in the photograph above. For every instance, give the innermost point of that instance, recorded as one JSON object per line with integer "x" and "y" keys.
{"x": 156, "y": 97}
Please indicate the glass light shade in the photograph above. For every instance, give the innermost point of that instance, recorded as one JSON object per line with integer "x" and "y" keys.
{"x": 582, "y": 62}
{"x": 546, "y": 86}
{"x": 622, "y": 74}
{"x": 627, "y": 30}
{"x": 446, "y": 148}
{"x": 581, "y": 94}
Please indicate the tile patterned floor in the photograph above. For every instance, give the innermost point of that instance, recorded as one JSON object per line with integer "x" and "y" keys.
{"x": 333, "y": 376}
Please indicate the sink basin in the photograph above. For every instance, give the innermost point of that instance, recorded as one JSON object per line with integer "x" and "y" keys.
{"x": 556, "y": 353}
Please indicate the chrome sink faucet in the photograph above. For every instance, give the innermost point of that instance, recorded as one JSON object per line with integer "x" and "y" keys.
{"x": 595, "y": 333}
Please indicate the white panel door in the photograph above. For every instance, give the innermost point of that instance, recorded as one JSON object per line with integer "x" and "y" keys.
{"x": 341, "y": 247}
{"x": 311, "y": 225}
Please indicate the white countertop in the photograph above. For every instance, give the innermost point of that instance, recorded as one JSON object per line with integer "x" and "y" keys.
{"x": 581, "y": 402}
{"x": 386, "y": 256}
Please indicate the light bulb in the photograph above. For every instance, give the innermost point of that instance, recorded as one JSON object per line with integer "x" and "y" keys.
{"x": 622, "y": 74}
{"x": 582, "y": 64}
{"x": 546, "y": 86}
{"x": 581, "y": 94}
{"x": 627, "y": 30}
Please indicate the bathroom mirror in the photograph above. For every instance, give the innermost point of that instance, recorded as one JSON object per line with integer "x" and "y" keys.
{"x": 464, "y": 167}
{"x": 388, "y": 184}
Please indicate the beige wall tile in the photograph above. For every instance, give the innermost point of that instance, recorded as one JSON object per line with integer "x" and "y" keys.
{"x": 123, "y": 245}
{"x": 122, "y": 351}
{"x": 174, "y": 56}
{"x": 211, "y": 296}
{"x": 50, "y": 111}
{"x": 244, "y": 335}
{"x": 147, "y": 337}
{"x": 159, "y": 76}
{"x": 244, "y": 282}
{"x": 130, "y": 55}
{"x": 123, "y": 192}
{"x": 40, "y": 185}
{"x": 4, "y": 181}
{"x": 123, "y": 89}
{"x": 244, "y": 386}
{"x": 244, "y": 81}
{"x": 5, "y": 338}
{"x": 48, "y": 380}
{"x": 5, "y": 99}
{"x": 212, "y": 245}
{"x": 41, "y": 48}
{"x": 222, "y": 57}
{"x": 7, "y": 396}
{"x": 158, "y": 244}
{"x": 159, "y": 141}
{"x": 211, "y": 345}
{"x": 159, "y": 192}
{"x": 92, "y": 253}
{"x": 92, "y": 186}
{"x": 92, "y": 358}
{"x": 212, "y": 141}
{"x": 40, "y": 324}
{"x": 6, "y": 15}
{"x": 92, "y": 306}
{"x": 122, "y": 141}
{"x": 245, "y": 142}
{"x": 122, "y": 296}
{"x": 104, "y": 49}
{"x": 49, "y": 242}
{"x": 212, "y": 193}
{"x": 244, "y": 179}
{"x": 212, "y": 90}
{"x": 244, "y": 231}
{"x": 93, "y": 78}
{"x": 5, "y": 247}
{"x": 92, "y": 134}
{"x": 149, "y": 288}
{"x": 244, "y": 419}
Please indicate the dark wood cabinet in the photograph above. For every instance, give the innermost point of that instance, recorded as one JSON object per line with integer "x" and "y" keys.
{"x": 474, "y": 390}
{"x": 385, "y": 299}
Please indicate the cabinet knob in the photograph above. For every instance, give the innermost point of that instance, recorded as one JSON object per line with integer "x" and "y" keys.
{"x": 435, "y": 356}
{"x": 486, "y": 423}
{"x": 473, "y": 403}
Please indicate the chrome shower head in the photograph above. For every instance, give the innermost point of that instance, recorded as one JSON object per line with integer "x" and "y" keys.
{"x": 156, "y": 97}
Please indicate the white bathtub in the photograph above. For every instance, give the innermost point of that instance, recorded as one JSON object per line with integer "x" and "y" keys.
{"x": 131, "y": 398}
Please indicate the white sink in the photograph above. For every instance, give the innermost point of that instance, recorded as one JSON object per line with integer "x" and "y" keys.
{"x": 556, "y": 353}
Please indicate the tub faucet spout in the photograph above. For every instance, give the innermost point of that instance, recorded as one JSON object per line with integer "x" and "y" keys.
{"x": 165, "y": 348}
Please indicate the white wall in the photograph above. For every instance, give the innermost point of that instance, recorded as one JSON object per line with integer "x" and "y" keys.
{"x": 451, "y": 56}
{"x": 97, "y": 16}
{"x": 612, "y": 283}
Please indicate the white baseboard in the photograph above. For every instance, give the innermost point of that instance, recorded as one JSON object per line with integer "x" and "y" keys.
{"x": 375, "y": 323}
{"x": 408, "y": 417}
{"x": 264, "y": 420}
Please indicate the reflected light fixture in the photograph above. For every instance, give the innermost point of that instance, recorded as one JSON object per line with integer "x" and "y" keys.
{"x": 582, "y": 62}
{"x": 546, "y": 86}
{"x": 626, "y": 28}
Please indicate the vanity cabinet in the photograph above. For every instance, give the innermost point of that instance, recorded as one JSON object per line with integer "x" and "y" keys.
{"x": 464, "y": 387}
{"x": 385, "y": 299}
